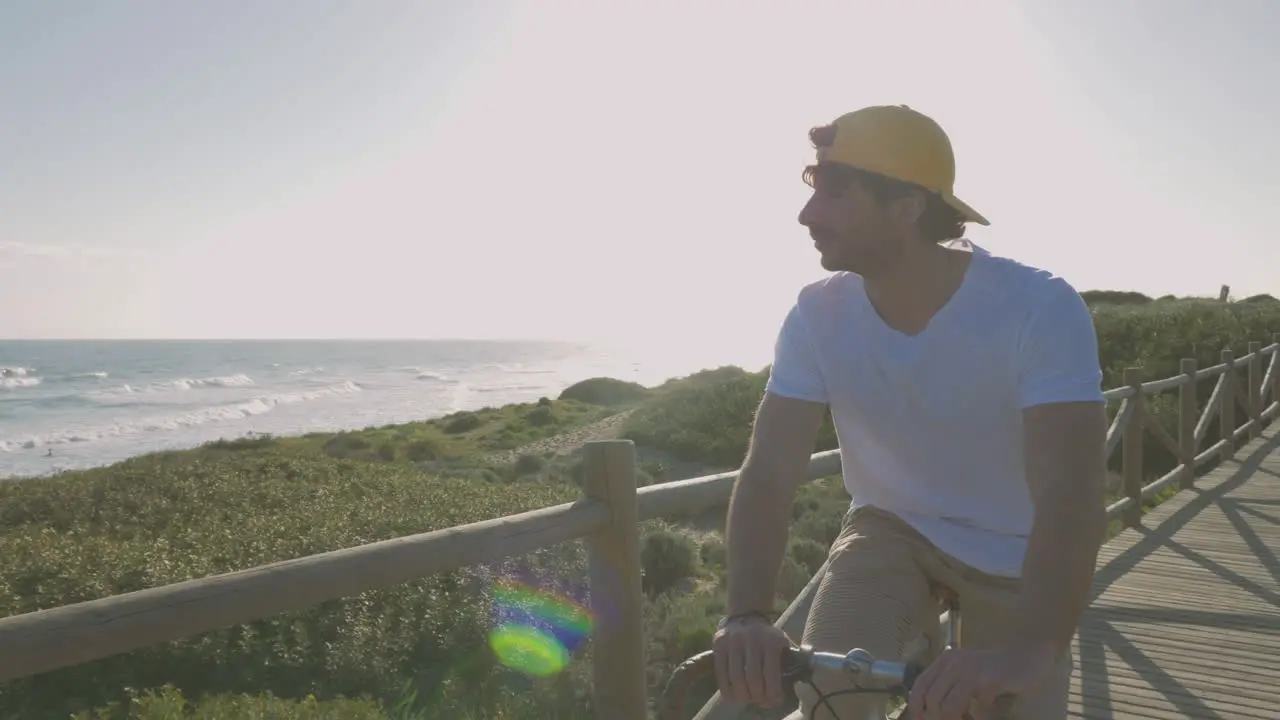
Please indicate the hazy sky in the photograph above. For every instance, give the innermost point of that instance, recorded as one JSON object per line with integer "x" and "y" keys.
{"x": 539, "y": 168}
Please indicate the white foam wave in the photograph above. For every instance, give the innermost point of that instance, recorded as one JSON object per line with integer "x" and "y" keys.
{"x": 217, "y": 413}
{"x": 237, "y": 380}
{"x": 100, "y": 374}
{"x": 221, "y": 381}
{"x": 15, "y": 382}
{"x": 434, "y": 376}
{"x": 14, "y": 371}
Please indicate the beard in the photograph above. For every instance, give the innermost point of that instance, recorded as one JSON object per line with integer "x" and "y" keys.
{"x": 857, "y": 253}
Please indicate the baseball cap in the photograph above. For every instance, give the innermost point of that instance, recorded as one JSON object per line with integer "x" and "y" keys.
{"x": 899, "y": 143}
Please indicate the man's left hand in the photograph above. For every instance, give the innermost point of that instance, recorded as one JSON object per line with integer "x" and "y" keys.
{"x": 946, "y": 688}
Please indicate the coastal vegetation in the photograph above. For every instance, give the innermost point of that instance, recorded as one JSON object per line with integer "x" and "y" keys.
{"x": 425, "y": 649}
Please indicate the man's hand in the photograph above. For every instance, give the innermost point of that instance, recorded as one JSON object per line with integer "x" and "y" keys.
{"x": 748, "y": 656}
{"x": 959, "y": 676}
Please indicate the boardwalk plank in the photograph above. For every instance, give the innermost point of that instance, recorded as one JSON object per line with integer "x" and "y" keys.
{"x": 1185, "y": 616}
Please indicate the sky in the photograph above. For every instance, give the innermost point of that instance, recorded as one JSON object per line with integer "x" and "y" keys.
{"x": 594, "y": 169}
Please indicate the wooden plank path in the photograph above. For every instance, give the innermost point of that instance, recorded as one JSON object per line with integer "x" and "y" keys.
{"x": 1185, "y": 616}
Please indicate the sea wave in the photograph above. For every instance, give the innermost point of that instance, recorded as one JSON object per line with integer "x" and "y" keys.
{"x": 219, "y": 381}
{"x": 215, "y": 413}
{"x": 434, "y": 376}
{"x": 14, "y": 383}
{"x": 13, "y": 377}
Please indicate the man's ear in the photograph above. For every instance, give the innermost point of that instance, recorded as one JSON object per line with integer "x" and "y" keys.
{"x": 908, "y": 208}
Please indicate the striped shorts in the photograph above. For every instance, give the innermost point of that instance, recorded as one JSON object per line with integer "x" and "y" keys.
{"x": 877, "y": 595}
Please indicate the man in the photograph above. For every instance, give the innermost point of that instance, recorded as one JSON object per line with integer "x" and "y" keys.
{"x": 966, "y": 393}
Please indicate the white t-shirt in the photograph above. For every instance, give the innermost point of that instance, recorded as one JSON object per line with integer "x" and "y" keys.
{"x": 930, "y": 426}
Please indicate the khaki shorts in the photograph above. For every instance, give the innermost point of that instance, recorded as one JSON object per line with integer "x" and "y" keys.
{"x": 877, "y": 595}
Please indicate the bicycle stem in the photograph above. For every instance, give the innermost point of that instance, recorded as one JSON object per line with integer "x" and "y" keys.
{"x": 953, "y": 624}
{"x": 861, "y": 664}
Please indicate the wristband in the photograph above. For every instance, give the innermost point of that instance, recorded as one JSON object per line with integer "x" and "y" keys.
{"x": 769, "y": 617}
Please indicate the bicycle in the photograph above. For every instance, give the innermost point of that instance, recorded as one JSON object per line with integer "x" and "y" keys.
{"x": 799, "y": 662}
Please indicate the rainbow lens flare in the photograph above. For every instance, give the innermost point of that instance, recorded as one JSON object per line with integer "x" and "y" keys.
{"x": 536, "y": 631}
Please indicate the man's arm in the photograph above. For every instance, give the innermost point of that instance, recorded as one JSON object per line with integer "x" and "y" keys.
{"x": 782, "y": 440}
{"x": 1066, "y": 469}
{"x": 785, "y": 431}
{"x": 1064, "y": 439}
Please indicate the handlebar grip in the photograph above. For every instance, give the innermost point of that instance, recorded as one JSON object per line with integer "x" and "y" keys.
{"x": 795, "y": 666}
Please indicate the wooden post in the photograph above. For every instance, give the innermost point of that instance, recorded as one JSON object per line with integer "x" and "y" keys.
{"x": 1131, "y": 460}
{"x": 1255, "y": 390}
{"x": 1188, "y": 414}
{"x": 1227, "y": 408}
{"x": 618, "y": 664}
{"x": 1275, "y": 376}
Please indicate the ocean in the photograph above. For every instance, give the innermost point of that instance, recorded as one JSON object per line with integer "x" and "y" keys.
{"x": 75, "y": 404}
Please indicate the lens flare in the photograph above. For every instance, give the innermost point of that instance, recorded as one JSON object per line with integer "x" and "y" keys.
{"x": 535, "y": 631}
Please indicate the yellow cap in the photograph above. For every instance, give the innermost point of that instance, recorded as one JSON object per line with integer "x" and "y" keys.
{"x": 900, "y": 143}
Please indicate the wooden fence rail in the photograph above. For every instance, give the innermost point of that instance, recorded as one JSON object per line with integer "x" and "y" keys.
{"x": 608, "y": 518}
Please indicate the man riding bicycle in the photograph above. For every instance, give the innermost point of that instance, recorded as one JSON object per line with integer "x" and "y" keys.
{"x": 966, "y": 394}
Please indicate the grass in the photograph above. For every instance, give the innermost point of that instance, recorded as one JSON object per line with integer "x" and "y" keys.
{"x": 458, "y": 436}
{"x": 422, "y": 649}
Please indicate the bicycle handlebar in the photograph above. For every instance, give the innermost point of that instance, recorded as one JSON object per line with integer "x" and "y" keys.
{"x": 798, "y": 664}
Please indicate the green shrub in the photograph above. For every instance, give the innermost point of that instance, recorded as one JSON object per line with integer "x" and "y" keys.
{"x": 1114, "y": 297}
{"x": 462, "y": 422}
{"x": 605, "y": 391}
{"x": 821, "y": 528}
{"x": 667, "y": 556}
{"x": 529, "y": 464}
{"x": 713, "y": 553}
{"x": 255, "y": 441}
{"x": 808, "y": 553}
{"x": 706, "y": 421}
{"x": 168, "y": 703}
{"x": 345, "y": 445}
{"x": 427, "y": 447}
{"x": 792, "y": 577}
{"x": 158, "y": 520}
{"x": 541, "y": 416}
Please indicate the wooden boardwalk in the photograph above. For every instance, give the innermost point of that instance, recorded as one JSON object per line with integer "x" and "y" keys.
{"x": 1185, "y": 617}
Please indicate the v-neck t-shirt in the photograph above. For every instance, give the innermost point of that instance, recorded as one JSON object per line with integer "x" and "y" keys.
{"x": 930, "y": 424}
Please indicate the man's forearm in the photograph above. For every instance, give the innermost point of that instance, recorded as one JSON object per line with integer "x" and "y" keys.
{"x": 1057, "y": 572}
{"x": 756, "y": 536}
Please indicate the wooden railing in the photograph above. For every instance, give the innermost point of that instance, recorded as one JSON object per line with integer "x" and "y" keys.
{"x": 608, "y": 517}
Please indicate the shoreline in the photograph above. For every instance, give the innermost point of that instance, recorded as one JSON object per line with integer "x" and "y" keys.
{"x": 572, "y": 438}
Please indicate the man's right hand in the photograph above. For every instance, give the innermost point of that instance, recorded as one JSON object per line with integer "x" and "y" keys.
{"x": 748, "y": 655}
